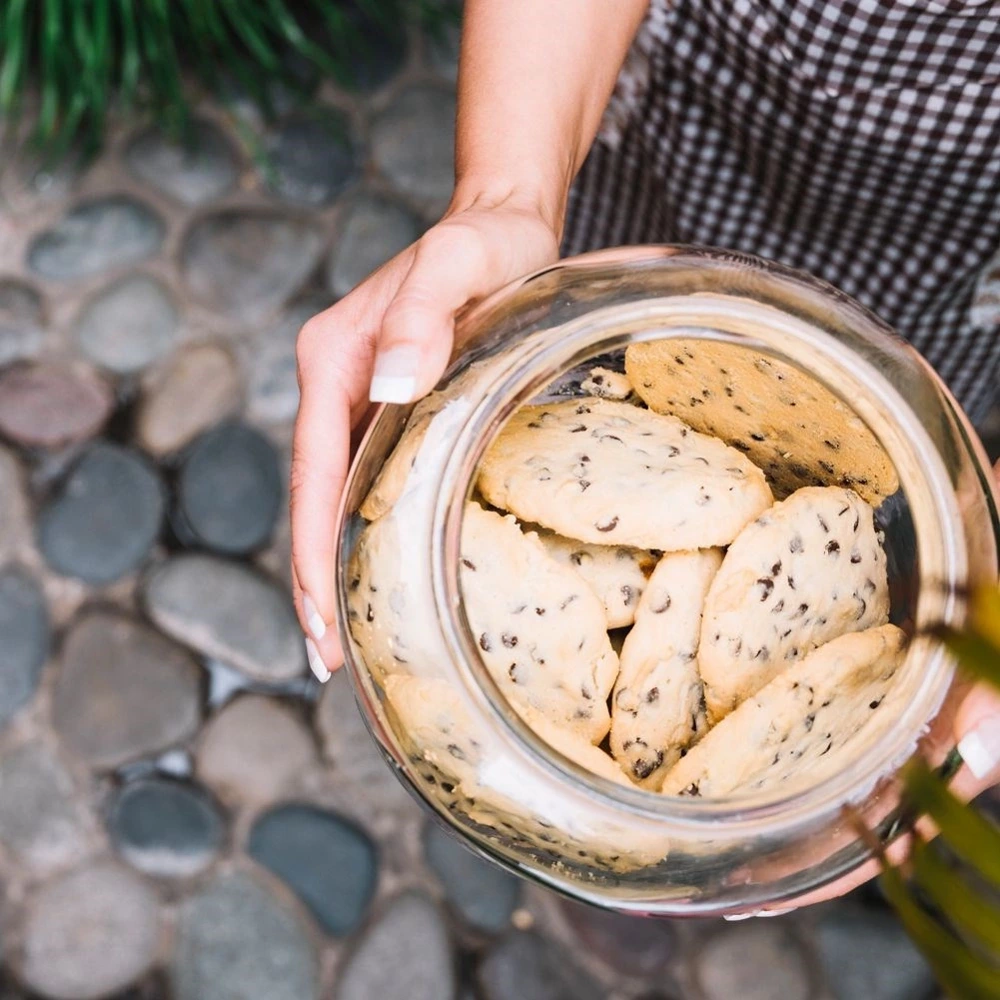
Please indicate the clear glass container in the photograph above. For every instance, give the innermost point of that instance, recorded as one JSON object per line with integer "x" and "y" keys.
{"x": 439, "y": 716}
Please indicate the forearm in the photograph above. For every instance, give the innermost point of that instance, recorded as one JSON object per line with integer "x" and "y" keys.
{"x": 535, "y": 77}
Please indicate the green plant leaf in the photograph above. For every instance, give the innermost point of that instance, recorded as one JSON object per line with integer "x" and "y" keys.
{"x": 971, "y": 836}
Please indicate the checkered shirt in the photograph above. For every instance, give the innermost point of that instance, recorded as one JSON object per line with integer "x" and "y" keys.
{"x": 858, "y": 140}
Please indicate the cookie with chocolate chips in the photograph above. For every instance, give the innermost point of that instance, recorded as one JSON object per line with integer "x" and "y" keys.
{"x": 540, "y": 629}
{"x": 806, "y": 725}
{"x": 785, "y": 421}
{"x": 806, "y": 571}
{"x": 656, "y": 707}
{"x": 613, "y": 474}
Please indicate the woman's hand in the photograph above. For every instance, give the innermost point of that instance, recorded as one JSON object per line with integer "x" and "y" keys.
{"x": 388, "y": 341}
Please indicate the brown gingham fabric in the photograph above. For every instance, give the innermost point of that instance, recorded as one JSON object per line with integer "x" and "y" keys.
{"x": 857, "y": 140}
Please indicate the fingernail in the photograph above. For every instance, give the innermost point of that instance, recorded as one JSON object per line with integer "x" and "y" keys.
{"x": 980, "y": 748}
{"x": 395, "y": 377}
{"x": 775, "y": 913}
{"x": 314, "y": 620}
{"x": 316, "y": 663}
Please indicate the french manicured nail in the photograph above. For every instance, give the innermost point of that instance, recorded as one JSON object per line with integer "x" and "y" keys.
{"x": 775, "y": 913}
{"x": 314, "y": 620}
{"x": 980, "y": 748}
{"x": 395, "y": 376}
{"x": 316, "y": 663}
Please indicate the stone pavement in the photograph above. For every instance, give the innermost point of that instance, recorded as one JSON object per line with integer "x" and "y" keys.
{"x": 183, "y": 812}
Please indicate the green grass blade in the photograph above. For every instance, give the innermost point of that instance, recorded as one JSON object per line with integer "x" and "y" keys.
{"x": 974, "y": 652}
{"x": 242, "y": 18}
{"x": 955, "y": 898}
{"x": 15, "y": 39}
{"x": 131, "y": 59}
{"x": 959, "y": 970}
{"x": 971, "y": 836}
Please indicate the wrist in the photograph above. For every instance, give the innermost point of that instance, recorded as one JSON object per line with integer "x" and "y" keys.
{"x": 546, "y": 201}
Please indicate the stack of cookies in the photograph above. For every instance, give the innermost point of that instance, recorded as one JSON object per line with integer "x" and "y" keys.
{"x": 631, "y": 579}
{"x": 677, "y": 580}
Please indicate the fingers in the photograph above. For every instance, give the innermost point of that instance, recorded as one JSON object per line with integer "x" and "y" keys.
{"x": 977, "y": 729}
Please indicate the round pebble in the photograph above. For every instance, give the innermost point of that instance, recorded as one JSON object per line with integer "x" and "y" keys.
{"x": 357, "y": 762}
{"x": 22, "y": 333}
{"x": 524, "y": 966}
{"x": 405, "y": 955}
{"x": 198, "y": 388}
{"x": 868, "y": 954}
{"x": 253, "y": 750}
{"x": 123, "y": 690}
{"x": 235, "y": 941}
{"x": 229, "y": 490}
{"x": 327, "y": 861}
{"x": 196, "y": 169}
{"x": 274, "y": 385}
{"x": 636, "y": 946}
{"x": 166, "y": 828}
{"x": 24, "y": 625}
{"x": 311, "y": 159}
{"x": 413, "y": 144}
{"x": 104, "y": 520}
{"x": 15, "y": 525}
{"x": 482, "y": 893}
{"x": 376, "y": 52}
{"x": 96, "y": 236}
{"x": 89, "y": 933}
{"x": 246, "y": 263}
{"x": 40, "y": 822}
{"x": 756, "y": 960}
{"x": 47, "y": 405}
{"x": 230, "y": 612}
{"x": 128, "y": 325}
{"x": 373, "y": 230}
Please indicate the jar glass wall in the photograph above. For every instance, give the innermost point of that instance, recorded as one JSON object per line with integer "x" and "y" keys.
{"x": 439, "y": 714}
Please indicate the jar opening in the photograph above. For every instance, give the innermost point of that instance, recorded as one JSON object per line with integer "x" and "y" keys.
{"x": 921, "y": 521}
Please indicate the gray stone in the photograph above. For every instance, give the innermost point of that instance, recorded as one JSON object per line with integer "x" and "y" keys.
{"x": 442, "y": 50}
{"x": 224, "y": 682}
{"x": 24, "y": 625}
{"x": 128, "y": 325}
{"x": 15, "y": 520}
{"x": 46, "y": 405}
{"x": 482, "y": 894}
{"x": 90, "y": 932}
{"x": 329, "y": 862}
{"x": 39, "y": 820}
{"x": 226, "y": 610}
{"x": 96, "y": 236}
{"x": 373, "y": 230}
{"x": 357, "y": 763}
{"x": 274, "y": 386}
{"x": 253, "y": 750}
{"x": 247, "y": 263}
{"x": 123, "y": 690}
{"x": 199, "y": 387}
{"x": 235, "y": 941}
{"x": 312, "y": 158}
{"x": 166, "y": 828}
{"x": 22, "y": 331}
{"x": 867, "y": 954}
{"x": 376, "y": 50}
{"x": 636, "y": 946}
{"x": 106, "y": 517}
{"x": 754, "y": 960}
{"x": 229, "y": 490}
{"x": 413, "y": 144}
{"x": 196, "y": 169}
{"x": 405, "y": 955}
{"x": 525, "y": 966}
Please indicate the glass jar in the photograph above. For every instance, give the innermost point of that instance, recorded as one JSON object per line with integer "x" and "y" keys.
{"x": 439, "y": 716}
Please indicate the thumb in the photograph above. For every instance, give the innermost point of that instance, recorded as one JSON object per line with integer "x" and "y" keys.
{"x": 449, "y": 268}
